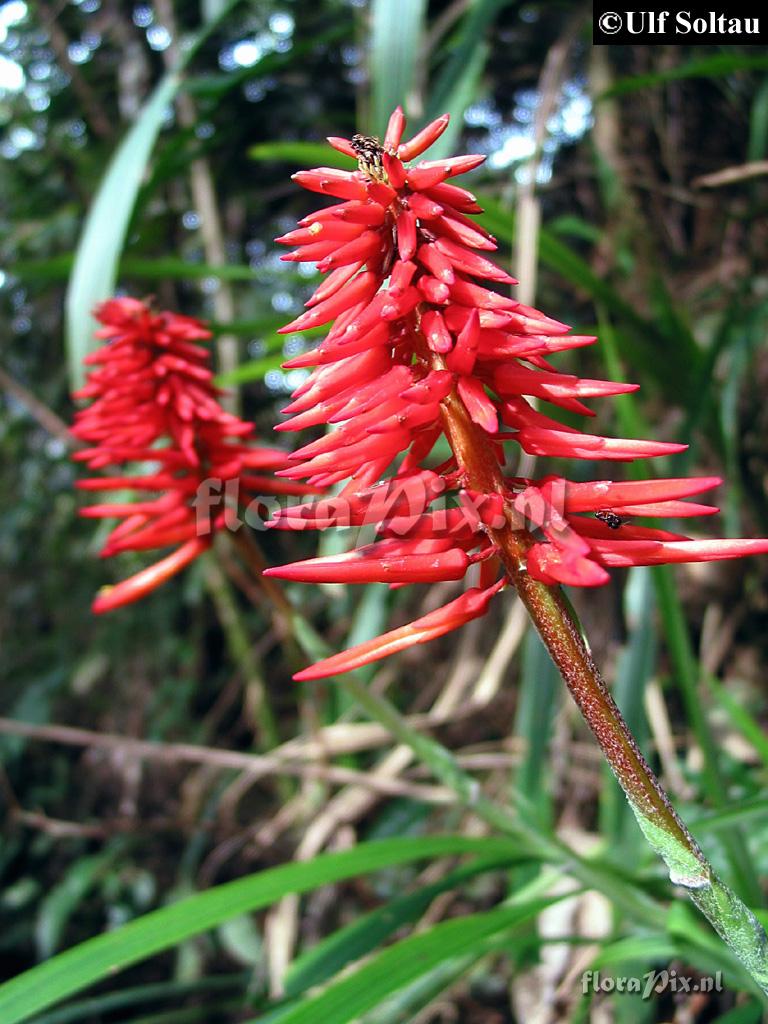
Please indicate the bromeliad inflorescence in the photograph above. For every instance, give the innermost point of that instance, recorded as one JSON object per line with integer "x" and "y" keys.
{"x": 423, "y": 346}
{"x": 154, "y": 404}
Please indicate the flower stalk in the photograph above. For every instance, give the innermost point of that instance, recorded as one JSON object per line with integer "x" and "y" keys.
{"x": 560, "y": 633}
{"x": 563, "y": 640}
{"x": 423, "y": 345}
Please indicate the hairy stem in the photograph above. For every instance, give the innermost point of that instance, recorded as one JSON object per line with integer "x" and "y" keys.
{"x": 562, "y": 637}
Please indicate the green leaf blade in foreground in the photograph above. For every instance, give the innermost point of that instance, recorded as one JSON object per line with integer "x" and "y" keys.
{"x": 362, "y": 935}
{"x": 346, "y": 998}
{"x": 106, "y": 224}
{"x": 103, "y": 956}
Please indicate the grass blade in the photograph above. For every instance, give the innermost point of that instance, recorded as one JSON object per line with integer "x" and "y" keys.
{"x": 301, "y": 154}
{"x": 352, "y": 995}
{"x": 717, "y": 66}
{"x": 635, "y": 667}
{"x": 396, "y": 42}
{"x": 539, "y": 696}
{"x": 366, "y": 932}
{"x": 104, "y": 955}
{"x": 98, "y": 251}
{"x": 455, "y": 84}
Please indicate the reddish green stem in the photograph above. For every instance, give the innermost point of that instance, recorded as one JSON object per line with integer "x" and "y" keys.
{"x": 562, "y": 637}
{"x": 550, "y": 613}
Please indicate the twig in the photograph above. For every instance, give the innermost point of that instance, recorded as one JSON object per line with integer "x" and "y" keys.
{"x": 754, "y": 169}
{"x": 661, "y": 730}
{"x": 259, "y": 764}
{"x": 92, "y": 108}
{"x": 204, "y": 198}
{"x": 59, "y": 829}
{"x": 39, "y": 411}
{"x": 241, "y": 650}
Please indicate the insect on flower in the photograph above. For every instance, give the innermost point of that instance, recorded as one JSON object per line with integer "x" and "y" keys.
{"x": 421, "y": 343}
{"x": 609, "y": 517}
{"x": 370, "y": 153}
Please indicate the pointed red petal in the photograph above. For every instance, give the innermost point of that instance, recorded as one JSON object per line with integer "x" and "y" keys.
{"x": 424, "y": 139}
{"x": 471, "y": 605}
{"x": 648, "y": 552}
{"x": 137, "y": 586}
{"x": 395, "y": 129}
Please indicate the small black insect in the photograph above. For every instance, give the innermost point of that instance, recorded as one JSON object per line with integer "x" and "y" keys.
{"x": 609, "y": 517}
{"x": 369, "y": 156}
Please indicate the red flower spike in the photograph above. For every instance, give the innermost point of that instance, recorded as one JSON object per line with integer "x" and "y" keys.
{"x": 153, "y": 402}
{"x": 424, "y": 342}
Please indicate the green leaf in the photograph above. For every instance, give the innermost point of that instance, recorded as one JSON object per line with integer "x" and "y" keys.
{"x": 241, "y": 939}
{"x": 462, "y": 92}
{"x": 151, "y": 995}
{"x": 345, "y": 999}
{"x": 167, "y": 268}
{"x": 650, "y": 949}
{"x": 65, "y": 897}
{"x": 455, "y": 85}
{"x": 561, "y": 258}
{"x": 366, "y": 932}
{"x": 718, "y": 66}
{"x": 396, "y": 42}
{"x": 675, "y": 374}
{"x": 104, "y": 955}
{"x": 254, "y": 369}
{"x": 214, "y": 87}
{"x": 256, "y": 327}
{"x": 98, "y": 251}
{"x": 744, "y": 811}
{"x": 758, "y": 124}
{"x": 750, "y": 1013}
{"x": 301, "y": 154}
{"x": 539, "y": 696}
{"x": 405, "y": 1004}
{"x": 747, "y": 725}
{"x": 634, "y": 668}
{"x": 176, "y": 269}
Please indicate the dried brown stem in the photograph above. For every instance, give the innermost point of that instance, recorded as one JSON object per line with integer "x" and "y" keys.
{"x": 39, "y": 411}
{"x": 257, "y": 764}
{"x": 94, "y": 112}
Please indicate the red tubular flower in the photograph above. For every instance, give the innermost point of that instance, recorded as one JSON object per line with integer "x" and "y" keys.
{"x": 154, "y": 402}
{"x": 420, "y": 346}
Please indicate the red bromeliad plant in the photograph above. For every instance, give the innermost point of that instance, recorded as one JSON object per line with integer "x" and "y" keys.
{"x": 423, "y": 346}
{"x": 154, "y": 402}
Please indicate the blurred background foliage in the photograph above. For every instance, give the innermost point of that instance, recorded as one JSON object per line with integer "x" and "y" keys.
{"x": 627, "y": 187}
